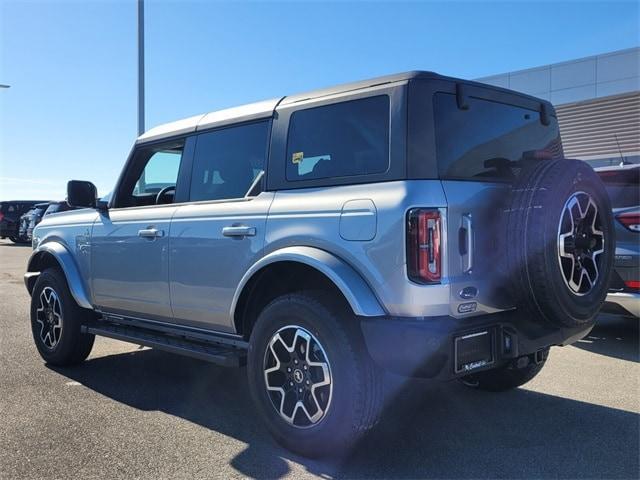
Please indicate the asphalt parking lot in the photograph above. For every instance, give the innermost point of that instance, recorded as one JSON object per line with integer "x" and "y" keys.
{"x": 138, "y": 413}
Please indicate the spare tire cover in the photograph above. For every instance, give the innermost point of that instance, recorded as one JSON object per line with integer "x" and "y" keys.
{"x": 559, "y": 242}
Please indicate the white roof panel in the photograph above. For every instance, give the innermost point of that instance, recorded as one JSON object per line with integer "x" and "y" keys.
{"x": 243, "y": 113}
{"x": 185, "y": 125}
{"x": 247, "y": 112}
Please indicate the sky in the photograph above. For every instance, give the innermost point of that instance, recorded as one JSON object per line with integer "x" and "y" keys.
{"x": 71, "y": 109}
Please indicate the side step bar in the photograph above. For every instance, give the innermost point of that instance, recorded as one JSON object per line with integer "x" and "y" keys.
{"x": 210, "y": 351}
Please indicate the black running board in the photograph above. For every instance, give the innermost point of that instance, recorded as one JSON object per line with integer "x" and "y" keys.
{"x": 210, "y": 351}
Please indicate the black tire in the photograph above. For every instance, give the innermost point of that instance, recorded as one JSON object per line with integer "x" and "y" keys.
{"x": 19, "y": 240}
{"x": 503, "y": 378}
{"x": 356, "y": 397}
{"x": 65, "y": 345}
{"x": 533, "y": 262}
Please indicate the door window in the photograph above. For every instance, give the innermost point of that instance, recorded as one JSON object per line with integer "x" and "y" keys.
{"x": 229, "y": 163}
{"x": 152, "y": 176}
{"x": 161, "y": 171}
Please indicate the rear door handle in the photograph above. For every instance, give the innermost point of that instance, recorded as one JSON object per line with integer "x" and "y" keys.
{"x": 239, "y": 231}
{"x": 150, "y": 233}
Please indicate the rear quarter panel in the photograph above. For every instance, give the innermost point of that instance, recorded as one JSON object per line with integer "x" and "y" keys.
{"x": 325, "y": 217}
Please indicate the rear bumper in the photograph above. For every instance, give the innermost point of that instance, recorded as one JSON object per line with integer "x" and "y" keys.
{"x": 427, "y": 347}
{"x": 623, "y": 303}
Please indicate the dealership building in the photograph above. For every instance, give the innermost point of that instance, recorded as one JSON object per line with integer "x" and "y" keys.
{"x": 597, "y": 100}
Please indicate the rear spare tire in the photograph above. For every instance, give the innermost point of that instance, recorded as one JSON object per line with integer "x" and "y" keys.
{"x": 559, "y": 242}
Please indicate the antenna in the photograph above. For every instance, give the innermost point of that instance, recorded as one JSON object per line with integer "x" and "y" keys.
{"x": 615, "y": 135}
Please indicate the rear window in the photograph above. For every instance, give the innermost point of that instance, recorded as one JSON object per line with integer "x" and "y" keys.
{"x": 339, "y": 140}
{"x": 623, "y": 186}
{"x": 489, "y": 140}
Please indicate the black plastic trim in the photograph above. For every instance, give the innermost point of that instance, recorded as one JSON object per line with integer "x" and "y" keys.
{"x": 192, "y": 333}
{"x": 426, "y": 347}
{"x": 216, "y": 353}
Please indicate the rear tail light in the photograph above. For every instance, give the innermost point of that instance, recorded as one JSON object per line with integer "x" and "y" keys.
{"x": 1, "y": 216}
{"x": 424, "y": 252}
{"x": 632, "y": 284}
{"x": 630, "y": 221}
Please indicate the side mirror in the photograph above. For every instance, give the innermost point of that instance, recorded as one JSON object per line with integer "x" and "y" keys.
{"x": 82, "y": 194}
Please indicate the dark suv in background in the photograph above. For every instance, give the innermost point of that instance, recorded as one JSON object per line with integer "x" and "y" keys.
{"x": 33, "y": 217}
{"x": 623, "y": 185}
{"x": 10, "y": 213}
{"x": 57, "y": 207}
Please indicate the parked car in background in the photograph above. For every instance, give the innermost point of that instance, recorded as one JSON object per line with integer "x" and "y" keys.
{"x": 623, "y": 185}
{"x": 10, "y": 213}
{"x": 25, "y": 220}
{"x": 57, "y": 207}
{"x": 29, "y": 220}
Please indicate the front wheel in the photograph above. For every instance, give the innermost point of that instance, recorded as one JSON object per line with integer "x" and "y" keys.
{"x": 310, "y": 375}
{"x": 56, "y": 321}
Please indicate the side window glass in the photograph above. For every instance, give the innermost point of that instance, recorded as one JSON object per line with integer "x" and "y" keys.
{"x": 229, "y": 162}
{"x": 339, "y": 140}
{"x": 152, "y": 176}
{"x": 161, "y": 171}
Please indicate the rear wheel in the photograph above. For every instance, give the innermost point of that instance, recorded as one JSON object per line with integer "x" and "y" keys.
{"x": 310, "y": 375}
{"x": 506, "y": 377}
{"x": 56, "y": 321}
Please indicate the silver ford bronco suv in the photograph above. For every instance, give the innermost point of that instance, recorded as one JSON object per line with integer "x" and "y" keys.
{"x": 415, "y": 223}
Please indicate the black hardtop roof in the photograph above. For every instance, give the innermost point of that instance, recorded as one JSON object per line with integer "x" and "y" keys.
{"x": 395, "y": 78}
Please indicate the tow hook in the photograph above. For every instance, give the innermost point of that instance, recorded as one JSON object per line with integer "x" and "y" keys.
{"x": 540, "y": 356}
{"x": 536, "y": 358}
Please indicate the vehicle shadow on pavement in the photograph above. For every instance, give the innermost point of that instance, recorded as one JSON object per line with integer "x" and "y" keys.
{"x": 11, "y": 244}
{"x": 429, "y": 429}
{"x": 614, "y": 336}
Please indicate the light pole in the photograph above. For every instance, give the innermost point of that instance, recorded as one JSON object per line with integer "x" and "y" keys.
{"x": 140, "y": 67}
